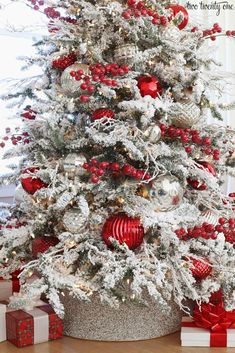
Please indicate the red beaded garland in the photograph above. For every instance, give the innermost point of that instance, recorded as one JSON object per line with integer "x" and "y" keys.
{"x": 124, "y": 229}
{"x": 32, "y": 184}
{"x": 149, "y": 86}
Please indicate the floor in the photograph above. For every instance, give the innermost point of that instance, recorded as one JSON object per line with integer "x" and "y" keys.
{"x": 167, "y": 344}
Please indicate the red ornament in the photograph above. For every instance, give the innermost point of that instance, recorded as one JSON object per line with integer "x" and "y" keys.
{"x": 200, "y": 268}
{"x": 124, "y": 229}
{"x": 198, "y": 185}
{"x": 149, "y": 86}
{"x": 175, "y": 8}
{"x": 216, "y": 297}
{"x": 29, "y": 113}
{"x": 42, "y": 244}
{"x": 101, "y": 113}
{"x": 64, "y": 62}
{"x": 32, "y": 184}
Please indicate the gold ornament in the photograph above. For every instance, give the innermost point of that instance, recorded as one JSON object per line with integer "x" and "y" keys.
{"x": 68, "y": 83}
{"x": 125, "y": 54}
{"x": 119, "y": 201}
{"x": 185, "y": 114}
{"x": 143, "y": 191}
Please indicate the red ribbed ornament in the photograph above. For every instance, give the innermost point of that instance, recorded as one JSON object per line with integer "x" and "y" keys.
{"x": 198, "y": 185}
{"x": 200, "y": 269}
{"x": 149, "y": 86}
{"x": 124, "y": 229}
{"x": 102, "y": 113}
{"x": 175, "y": 8}
{"x": 32, "y": 184}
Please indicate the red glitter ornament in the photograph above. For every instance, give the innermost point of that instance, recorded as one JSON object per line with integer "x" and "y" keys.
{"x": 42, "y": 244}
{"x": 200, "y": 268}
{"x": 65, "y": 61}
{"x": 149, "y": 86}
{"x": 198, "y": 185}
{"x": 32, "y": 184}
{"x": 175, "y": 8}
{"x": 101, "y": 113}
{"x": 124, "y": 229}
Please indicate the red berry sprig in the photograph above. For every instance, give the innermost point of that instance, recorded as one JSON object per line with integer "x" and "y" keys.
{"x": 189, "y": 138}
{"x": 65, "y": 61}
{"x": 36, "y": 4}
{"x": 139, "y": 9}
{"x": 29, "y": 113}
{"x": 214, "y": 32}
{"x": 99, "y": 74}
{"x": 209, "y": 231}
{"x": 52, "y": 28}
{"x": 105, "y": 168}
{"x": 16, "y": 138}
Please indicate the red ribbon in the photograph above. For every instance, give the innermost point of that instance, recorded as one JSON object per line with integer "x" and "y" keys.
{"x": 215, "y": 318}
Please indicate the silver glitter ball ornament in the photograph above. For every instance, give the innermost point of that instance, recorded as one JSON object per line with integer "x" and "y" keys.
{"x": 166, "y": 193}
{"x": 73, "y": 164}
{"x": 125, "y": 54}
{"x": 153, "y": 133}
{"x": 69, "y": 83}
{"x": 73, "y": 220}
{"x": 185, "y": 114}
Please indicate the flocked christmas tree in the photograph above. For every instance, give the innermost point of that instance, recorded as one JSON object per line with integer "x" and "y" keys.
{"x": 119, "y": 186}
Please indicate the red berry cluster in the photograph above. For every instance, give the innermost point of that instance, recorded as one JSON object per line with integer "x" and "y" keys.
{"x": 190, "y": 137}
{"x": 99, "y": 73}
{"x": 36, "y": 4}
{"x": 215, "y": 30}
{"x": 51, "y": 12}
{"x": 29, "y": 113}
{"x": 209, "y": 231}
{"x": 65, "y": 61}
{"x": 52, "y": 28}
{"x": 16, "y": 138}
{"x": 138, "y": 9}
{"x": 99, "y": 169}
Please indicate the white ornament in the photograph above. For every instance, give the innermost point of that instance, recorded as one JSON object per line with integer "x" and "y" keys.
{"x": 73, "y": 164}
{"x": 166, "y": 193}
{"x": 153, "y": 133}
{"x": 210, "y": 217}
{"x": 20, "y": 195}
{"x": 125, "y": 54}
{"x": 69, "y": 83}
{"x": 185, "y": 114}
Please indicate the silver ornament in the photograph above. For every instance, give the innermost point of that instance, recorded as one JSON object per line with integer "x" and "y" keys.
{"x": 185, "y": 114}
{"x": 68, "y": 83}
{"x": 210, "y": 216}
{"x": 125, "y": 54}
{"x": 73, "y": 164}
{"x": 166, "y": 193}
{"x": 153, "y": 133}
{"x": 20, "y": 195}
{"x": 74, "y": 220}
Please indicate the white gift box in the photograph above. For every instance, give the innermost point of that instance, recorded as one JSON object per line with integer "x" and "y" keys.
{"x": 193, "y": 336}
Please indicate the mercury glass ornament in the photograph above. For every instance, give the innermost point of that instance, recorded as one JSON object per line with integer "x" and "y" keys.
{"x": 125, "y": 54}
{"x": 73, "y": 220}
{"x": 185, "y": 114}
{"x": 73, "y": 164}
{"x": 69, "y": 83}
{"x": 21, "y": 195}
{"x": 153, "y": 133}
{"x": 166, "y": 193}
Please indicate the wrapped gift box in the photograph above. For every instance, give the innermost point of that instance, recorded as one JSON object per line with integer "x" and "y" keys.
{"x": 3, "y": 310}
{"x": 33, "y": 326}
{"x": 193, "y": 336}
{"x": 8, "y": 287}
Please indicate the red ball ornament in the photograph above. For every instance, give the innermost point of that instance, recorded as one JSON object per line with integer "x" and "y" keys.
{"x": 200, "y": 268}
{"x": 32, "y": 184}
{"x": 175, "y": 10}
{"x": 65, "y": 61}
{"x": 42, "y": 244}
{"x": 149, "y": 86}
{"x": 198, "y": 185}
{"x": 101, "y": 113}
{"x": 124, "y": 229}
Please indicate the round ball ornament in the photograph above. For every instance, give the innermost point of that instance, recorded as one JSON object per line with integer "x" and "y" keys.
{"x": 73, "y": 220}
{"x": 32, "y": 183}
{"x": 102, "y": 113}
{"x": 69, "y": 83}
{"x": 73, "y": 164}
{"x": 201, "y": 185}
{"x": 149, "y": 86}
{"x": 20, "y": 195}
{"x": 124, "y": 229}
{"x": 200, "y": 269}
{"x": 153, "y": 133}
{"x": 166, "y": 193}
{"x": 175, "y": 8}
{"x": 185, "y": 114}
{"x": 125, "y": 54}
